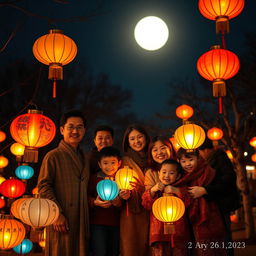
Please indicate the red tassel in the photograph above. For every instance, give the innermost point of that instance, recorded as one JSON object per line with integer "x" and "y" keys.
{"x": 220, "y": 105}
{"x": 54, "y": 89}
{"x": 127, "y": 209}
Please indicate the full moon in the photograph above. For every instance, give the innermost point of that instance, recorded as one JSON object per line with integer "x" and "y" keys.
{"x": 151, "y": 33}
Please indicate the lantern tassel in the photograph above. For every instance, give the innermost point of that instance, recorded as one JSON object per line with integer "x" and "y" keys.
{"x": 54, "y": 89}
{"x": 30, "y": 155}
{"x": 222, "y": 25}
{"x": 219, "y": 88}
{"x": 220, "y": 105}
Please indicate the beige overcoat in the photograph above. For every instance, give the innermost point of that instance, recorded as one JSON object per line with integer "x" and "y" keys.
{"x": 134, "y": 228}
{"x": 63, "y": 178}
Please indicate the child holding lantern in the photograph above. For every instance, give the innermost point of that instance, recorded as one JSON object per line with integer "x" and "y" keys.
{"x": 104, "y": 215}
{"x": 170, "y": 171}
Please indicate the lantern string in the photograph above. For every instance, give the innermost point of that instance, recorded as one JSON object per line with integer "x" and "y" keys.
{"x": 127, "y": 209}
{"x": 223, "y": 40}
{"x": 54, "y": 88}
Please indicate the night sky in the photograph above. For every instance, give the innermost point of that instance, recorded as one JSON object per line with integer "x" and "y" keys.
{"x": 106, "y": 43}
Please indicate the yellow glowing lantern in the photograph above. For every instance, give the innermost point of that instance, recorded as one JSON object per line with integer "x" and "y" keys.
{"x": 174, "y": 143}
{"x": 184, "y": 112}
{"x": 189, "y": 136}
{"x": 12, "y": 232}
{"x": 253, "y": 157}
{"x": 252, "y": 142}
{"x": 124, "y": 176}
{"x": 2, "y": 136}
{"x": 229, "y": 154}
{"x": 2, "y": 179}
{"x": 56, "y": 50}
{"x": 17, "y": 149}
{"x": 3, "y": 162}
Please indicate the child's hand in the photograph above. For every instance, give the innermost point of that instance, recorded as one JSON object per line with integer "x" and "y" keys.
{"x": 158, "y": 187}
{"x": 125, "y": 194}
{"x": 171, "y": 190}
{"x": 101, "y": 203}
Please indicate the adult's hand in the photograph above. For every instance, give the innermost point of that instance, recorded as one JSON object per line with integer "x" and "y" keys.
{"x": 101, "y": 203}
{"x": 125, "y": 194}
{"x": 137, "y": 185}
{"x": 172, "y": 190}
{"x": 197, "y": 191}
{"x": 61, "y": 224}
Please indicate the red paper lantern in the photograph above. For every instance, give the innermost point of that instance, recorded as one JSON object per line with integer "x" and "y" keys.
{"x": 2, "y": 136}
{"x": 34, "y": 130}
{"x": 253, "y": 157}
{"x": 184, "y": 112}
{"x": 218, "y": 65}
{"x": 221, "y": 11}
{"x": 56, "y": 50}
{"x": 12, "y": 188}
{"x": 2, "y": 202}
{"x": 215, "y": 134}
{"x": 252, "y": 142}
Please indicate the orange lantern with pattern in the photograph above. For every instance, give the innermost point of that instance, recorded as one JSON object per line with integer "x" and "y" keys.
{"x": 218, "y": 65}
{"x": 12, "y": 232}
{"x": 34, "y": 130}
{"x": 221, "y": 11}
{"x": 56, "y": 50}
{"x": 184, "y": 112}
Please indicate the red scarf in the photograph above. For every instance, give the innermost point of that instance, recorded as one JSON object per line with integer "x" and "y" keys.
{"x": 202, "y": 176}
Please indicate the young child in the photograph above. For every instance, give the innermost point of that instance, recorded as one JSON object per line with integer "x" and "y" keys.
{"x": 104, "y": 215}
{"x": 204, "y": 215}
{"x": 169, "y": 172}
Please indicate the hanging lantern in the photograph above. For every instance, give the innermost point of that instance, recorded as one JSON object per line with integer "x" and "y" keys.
{"x": 221, "y": 11}
{"x": 56, "y": 50}
{"x": 107, "y": 189}
{"x": 124, "y": 176}
{"x": 15, "y": 207}
{"x": 218, "y": 65}
{"x": 215, "y": 133}
{"x": 34, "y": 130}
{"x": 184, "y": 112}
{"x": 253, "y": 157}
{"x": 12, "y": 188}
{"x": 3, "y": 163}
{"x": 189, "y": 136}
{"x": 252, "y": 142}
{"x": 24, "y": 172}
{"x": 24, "y": 247}
{"x": 229, "y": 154}
{"x": 38, "y": 212}
{"x": 2, "y": 179}
{"x": 12, "y": 232}
{"x": 2, "y": 136}
{"x": 174, "y": 143}
{"x": 17, "y": 149}
{"x": 2, "y": 202}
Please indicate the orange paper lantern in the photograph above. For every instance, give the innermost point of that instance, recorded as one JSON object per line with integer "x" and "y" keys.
{"x": 56, "y": 50}
{"x": 12, "y": 232}
{"x": 229, "y": 154}
{"x": 174, "y": 143}
{"x": 253, "y": 157}
{"x": 15, "y": 207}
{"x": 2, "y": 136}
{"x": 34, "y": 130}
{"x": 221, "y": 11}
{"x": 3, "y": 162}
{"x": 184, "y": 112}
{"x": 12, "y": 188}
{"x": 190, "y": 136}
{"x": 17, "y": 149}
{"x": 252, "y": 142}
{"x": 124, "y": 176}
{"x": 215, "y": 134}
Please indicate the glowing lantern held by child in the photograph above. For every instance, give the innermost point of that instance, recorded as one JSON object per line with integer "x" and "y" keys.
{"x": 107, "y": 189}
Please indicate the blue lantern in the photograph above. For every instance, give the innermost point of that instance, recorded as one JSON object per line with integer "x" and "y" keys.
{"x": 24, "y": 172}
{"x": 24, "y": 247}
{"x": 107, "y": 189}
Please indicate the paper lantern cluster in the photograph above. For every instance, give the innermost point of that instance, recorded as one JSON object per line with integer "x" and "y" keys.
{"x": 33, "y": 130}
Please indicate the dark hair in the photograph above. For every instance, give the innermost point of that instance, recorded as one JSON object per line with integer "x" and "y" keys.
{"x": 166, "y": 142}
{"x": 184, "y": 153}
{"x": 104, "y": 128}
{"x": 174, "y": 162}
{"x": 108, "y": 152}
{"x": 72, "y": 113}
{"x": 207, "y": 144}
{"x": 138, "y": 128}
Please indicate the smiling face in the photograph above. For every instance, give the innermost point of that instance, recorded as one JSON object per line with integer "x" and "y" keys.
{"x": 103, "y": 139}
{"x": 168, "y": 173}
{"x": 189, "y": 164}
{"x": 109, "y": 165}
{"x": 73, "y": 131}
{"x": 137, "y": 140}
{"x": 160, "y": 152}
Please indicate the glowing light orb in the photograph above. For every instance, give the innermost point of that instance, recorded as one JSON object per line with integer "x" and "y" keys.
{"x": 151, "y": 33}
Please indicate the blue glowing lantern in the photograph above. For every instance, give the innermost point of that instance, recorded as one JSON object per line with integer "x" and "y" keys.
{"x": 107, "y": 189}
{"x": 24, "y": 247}
{"x": 24, "y": 172}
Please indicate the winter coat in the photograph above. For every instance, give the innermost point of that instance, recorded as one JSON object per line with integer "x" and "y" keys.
{"x": 63, "y": 178}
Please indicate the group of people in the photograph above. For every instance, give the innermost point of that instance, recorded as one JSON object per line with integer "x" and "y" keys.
{"x": 203, "y": 179}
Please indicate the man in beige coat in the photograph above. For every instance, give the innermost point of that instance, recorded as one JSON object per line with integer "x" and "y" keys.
{"x": 63, "y": 178}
